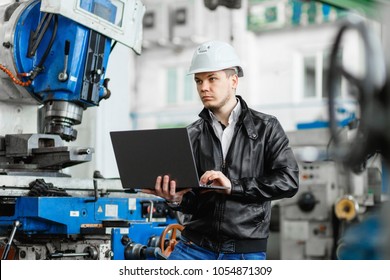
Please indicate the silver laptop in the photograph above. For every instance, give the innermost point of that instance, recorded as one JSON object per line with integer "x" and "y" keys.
{"x": 142, "y": 155}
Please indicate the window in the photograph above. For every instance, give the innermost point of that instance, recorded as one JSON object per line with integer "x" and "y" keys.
{"x": 172, "y": 86}
{"x": 189, "y": 88}
{"x": 181, "y": 87}
{"x": 315, "y": 75}
{"x": 309, "y": 76}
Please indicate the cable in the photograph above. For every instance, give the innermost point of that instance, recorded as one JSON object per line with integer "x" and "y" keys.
{"x": 43, "y": 59}
{"x": 13, "y": 78}
{"x": 38, "y": 68}
{"x": 113, "y": 46}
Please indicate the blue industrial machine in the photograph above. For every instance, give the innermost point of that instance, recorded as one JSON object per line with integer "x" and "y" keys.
{"x": 56, "y": 52}
{"x": 54, "y": 55}
{"x": 84, "y": 228}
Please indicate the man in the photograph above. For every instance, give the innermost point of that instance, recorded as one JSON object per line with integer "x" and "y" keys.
{"x": 239, "y": 148}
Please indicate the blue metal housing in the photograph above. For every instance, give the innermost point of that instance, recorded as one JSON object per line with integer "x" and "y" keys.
{"x": 53, "y": 217}
{"x": 67, "y": 215}
{"x": 46, "y": 86}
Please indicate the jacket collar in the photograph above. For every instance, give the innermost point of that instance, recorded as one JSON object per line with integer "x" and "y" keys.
{"x": 245, "y": 118}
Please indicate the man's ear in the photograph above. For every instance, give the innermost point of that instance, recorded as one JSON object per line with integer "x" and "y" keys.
{"x": 234, "y": 80}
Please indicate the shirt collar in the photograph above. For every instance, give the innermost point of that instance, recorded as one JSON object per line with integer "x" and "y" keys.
{"x": 234, "y": 115}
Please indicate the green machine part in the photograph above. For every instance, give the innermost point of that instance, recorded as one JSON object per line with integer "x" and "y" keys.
{"x": 367, "y": 7}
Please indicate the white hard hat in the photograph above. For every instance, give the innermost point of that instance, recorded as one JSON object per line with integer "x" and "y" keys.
{"x": 214, "y": 56}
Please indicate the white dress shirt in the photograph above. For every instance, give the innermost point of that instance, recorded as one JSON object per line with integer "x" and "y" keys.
{"x": 225, "y": 134}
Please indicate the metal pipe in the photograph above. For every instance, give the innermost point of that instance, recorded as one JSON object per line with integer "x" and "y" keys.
{"x": 11, "y": 238}
{"x": 68, "y": 255}
{"x": 151, "y": 211}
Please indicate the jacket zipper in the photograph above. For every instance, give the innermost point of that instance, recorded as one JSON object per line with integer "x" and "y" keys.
{"x": 218, "y": 209}
{"x": 223, "y": 166}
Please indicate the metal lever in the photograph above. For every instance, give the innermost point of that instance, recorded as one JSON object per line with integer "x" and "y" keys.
{"x": 63, "y": 76}
{"x": 11, "y": 238}
{"x": 150, "y": 218}
{"x": 96, "y": 192}
{"x": 68, "y": 255}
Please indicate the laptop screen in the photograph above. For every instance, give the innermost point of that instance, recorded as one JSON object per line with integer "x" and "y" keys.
{"x": 142, "y": 155}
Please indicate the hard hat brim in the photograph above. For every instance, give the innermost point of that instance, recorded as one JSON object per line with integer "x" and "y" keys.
{"x": 240, "y": 72}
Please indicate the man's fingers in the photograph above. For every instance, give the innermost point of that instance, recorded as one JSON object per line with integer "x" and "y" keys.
{"x": 166, "y": 189}
{"x": 172, "y": 189}
{"x": 211, "y": 175}
{"x": 165, "y": 184}
{"x": 157, "y": 187}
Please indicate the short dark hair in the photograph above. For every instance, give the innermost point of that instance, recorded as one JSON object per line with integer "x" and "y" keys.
{"x": 231, "y": 71}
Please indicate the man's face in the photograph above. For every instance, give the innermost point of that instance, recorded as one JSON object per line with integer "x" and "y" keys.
{"x": 215, "y": 88}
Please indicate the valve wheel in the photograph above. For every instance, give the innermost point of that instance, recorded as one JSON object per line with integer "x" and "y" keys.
{"x": 167, "y": 250}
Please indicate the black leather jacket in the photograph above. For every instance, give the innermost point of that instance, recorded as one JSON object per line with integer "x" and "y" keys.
{"x": 261, "y": 168}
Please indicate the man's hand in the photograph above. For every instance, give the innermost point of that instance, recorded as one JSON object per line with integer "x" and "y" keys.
{"x": 166, "y": 189}
{"x": 218, "y": 179}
